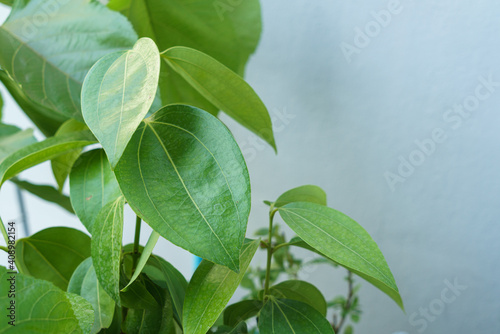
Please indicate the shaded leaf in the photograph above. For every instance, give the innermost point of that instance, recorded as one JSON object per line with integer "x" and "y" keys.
{"x": 117, "y": 94}
{"x": 92, "y": 186}
{"x": 241, "y": 311}
{"x": 185, "y": 176}
{"x": 107, "y": 247}
{"x": 84, "y": 283}
{"x": 308, "y": 193}
{"x": 47, "y": 193}
{"x": 78, "y": 32}
{"x": 210, "y": 289}
{"x": 301, "y": 291}
{"x": 145, "y": 254}
{"x": 343, "y": 240}
{"x": 222, "y": 87}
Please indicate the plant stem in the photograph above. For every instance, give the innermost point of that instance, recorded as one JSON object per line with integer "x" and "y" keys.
{"x": 269, "y": 251}
{"x": 346, "y": 310}
{"x": 136, "y": 241}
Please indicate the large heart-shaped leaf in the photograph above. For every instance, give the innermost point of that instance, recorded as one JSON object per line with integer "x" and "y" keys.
{"x": 284, "y": 316}
{"x": 210, "y": 289}
{"x": 48, "y": 48}
{"x": 41, "y": 307}
{"x": 13, "y": 138}
{"x": 45, "y": 192}
{"x": 308, "y": 193}
{"x": 230, "y": 36}
{"x": 84, "y": 283}
{"x": 53, "y": 254}
{"x": 302, "y": 291}
{"x": 185, "y": 176}
{"x": 107, "y": 246}
{"x": 92, "y": 186}
{"x": 222, "y": 87}
{"x": 61, "y": 165}
{"x": 117, "y": 94}
{"x": 37, "y": 153}
{"x": 343, "y": 240}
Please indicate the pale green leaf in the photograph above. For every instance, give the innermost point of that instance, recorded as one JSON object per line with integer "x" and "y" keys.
{"x": 185, "y": 176}
{"x": 343, "y": 240}
{"x": 13, "y": 138}
{"x": 308, "y": 193}
{"x": 52, "y": 254}
{"x": 117, "y": 94}
{"x": 107, "y": 246}
{"x": 92, "y": 186}
{"x": 49, "y": 59}
{"x": 210, "y": 289}
{"x": 222, "y": 87}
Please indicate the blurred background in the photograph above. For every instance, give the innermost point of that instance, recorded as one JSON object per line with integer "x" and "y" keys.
{"x": 392, "y": 108}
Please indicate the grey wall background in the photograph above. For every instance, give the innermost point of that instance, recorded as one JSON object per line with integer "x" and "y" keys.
{"x": 344, "y": 122}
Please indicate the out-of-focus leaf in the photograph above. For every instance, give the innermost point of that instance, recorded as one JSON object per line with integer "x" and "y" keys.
{"x": 13, "y": 139}
{"x": 241, "y": 311}
{"x": 47, "y": 193}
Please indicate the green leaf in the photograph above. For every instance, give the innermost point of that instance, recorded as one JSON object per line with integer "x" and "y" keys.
{"x": 210, "y": 289}
{"x": 230, "y": 36}
{"x": 49, "y": 59}
{"x": 7, "y": 2}
{"x": 309, "y": 193}
{"x": 117, "y": 94}
{"x": 283, "y": 316}
{"x": 42, "y": 307}
{"x": 107, "y": 246}
{"x": 84, "y": 283}
{"x": 61, "y": 165}
{"x": 45, "y": 119}
{"x": 52, "y": 254}
{"x": 13, "y": 139}
{"x": 92, "y": 186}
{"x": 185, "y": 176}
{"x": 222, "y": 87}
{"x": 37, "y": 153}
{"x": 146, "y": 253}
{"x": 241, "y": 311}
{"x": 343, "y": 240}
{"x": 47, "y": 193}
{"x": 1, "y": 106}
{"x": 168, "y": 277}
{"x": 301, "y": 291}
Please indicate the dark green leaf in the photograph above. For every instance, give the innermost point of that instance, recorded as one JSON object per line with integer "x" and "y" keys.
{"x": 241, "y": 311}
{"x": 52, "y": 254}
{"x": 117, "y": 94}
{"x": 61, "y": 165}
{"x": 284, "y": 316}
{"x": 185, "y": 176}
{"x": 92, "y": 186}
{"x": 61, "y": 50}
{"x": 210, "y": 289}
{"x": 145, "y": 254}
{"x": 222, "y": 87}
{"x": 302, "y": 291}
{"x": 47, "y": 193}
{"x": 311, "y": 194}
{"x": 42, "y": 307}
{"x": 84, "y": 283}
{"x": 137, "y": 295}
{"x": 37, "y": 153}
{"x": 107, "y": 246}
{"x": 343, "y": 240}
{"x": 13, "y": 139}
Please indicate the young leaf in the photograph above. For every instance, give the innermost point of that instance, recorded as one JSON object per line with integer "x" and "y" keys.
{"x": 37, "y": 153}
{"x": 343, "y": 240}
{"x": 222, "y": 87}
{"x": 61, "y": 50}
{"x": 84, "y": 283}
{"x": 42, "y": 307}
{"x": 210, "y": 289}
{"x": 301, "y": 291}
{"x": 92, "y": 186}
{"x": 117, "y": 94}
{"x": 12, "y": 139}
{"x": 47, "y": 193}
{"x": 284, "y": 316}
{"x": 107, "y": 247}
{"x": 185, "y": 176}
{"x": 145, "y": 254}
{"x": 52, "y": 254}
{"x": 241, "y": 311}
{"x": 61, "y": 165}
{"x": 311, "y": 194}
